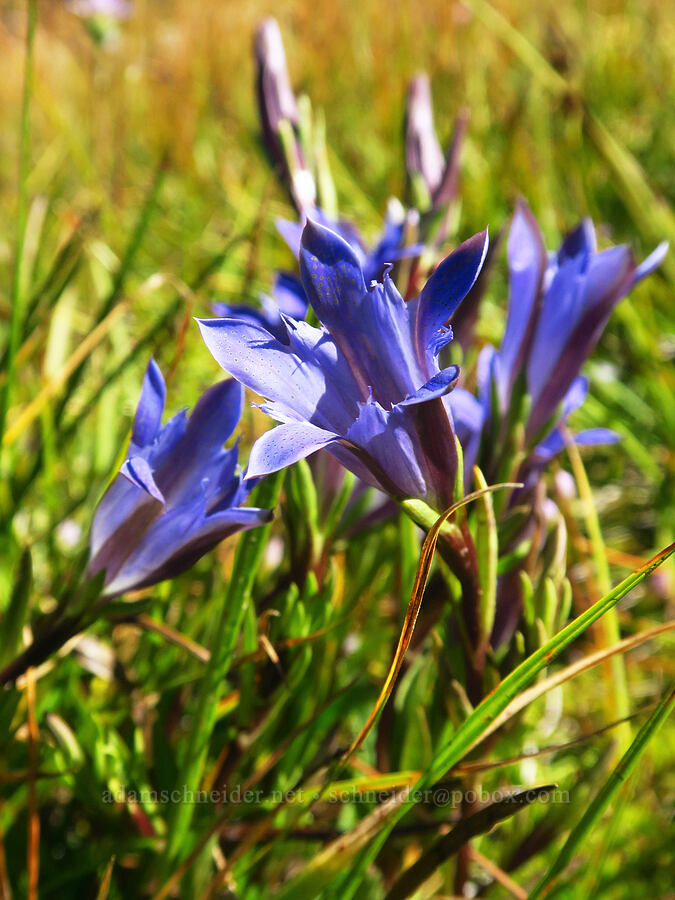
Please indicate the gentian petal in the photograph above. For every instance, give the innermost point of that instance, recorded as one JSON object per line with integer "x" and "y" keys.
{"x": 291, "y": 232}
{"x": 445, "y": 289}
{"x": 383, "y": 435}
{"x": 594, "y": 436}
{"x": 555, "y": 442}
{"x": 150, "y": 406}
{"x": 574, "y": 313}
{"x": 198, "y": 462}
{"x": 653, "y": 261}
{"x": 468, "y": 416}
{"x": 438, "y": 386}
{"x": 580, "y": 242}
{"x": 575, "y": 396}
{"x": 527, "y": 267}
{"x": 176, "y": 540}
{"x": 372, "y": 327}
{"x": 284, "y": 445}
{"x": 138, "y": 472}
{"x": 305, "y": 377}
{"x": 332, "y": 278}
{"x": 290, "y": 296}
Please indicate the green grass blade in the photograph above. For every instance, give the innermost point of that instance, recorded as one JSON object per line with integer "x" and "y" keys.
{"x": 605, "y": 795}
{"x": 237, "y": 597}
{"x": 619, "y": 687}
{"x": 14, "y": 617}
{"x": 122, "y": 272}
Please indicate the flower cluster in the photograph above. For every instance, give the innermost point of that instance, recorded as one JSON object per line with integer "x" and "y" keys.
{"x": 559, "y": 304}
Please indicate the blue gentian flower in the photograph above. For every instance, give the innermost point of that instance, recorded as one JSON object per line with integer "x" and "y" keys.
{"x": 288, "y": 297}
{"x": 559, "y": 304}
{"x": 178, "y": 493}
{"x": 366, "y": 385}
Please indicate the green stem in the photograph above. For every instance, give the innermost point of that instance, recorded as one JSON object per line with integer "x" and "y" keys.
{"x": 237, "y": 598}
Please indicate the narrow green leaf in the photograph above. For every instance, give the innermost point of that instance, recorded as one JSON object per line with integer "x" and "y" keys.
{"x": 237, "y": 597}
{"x": 487, "y": 551}
{"x": 606, "y": 794}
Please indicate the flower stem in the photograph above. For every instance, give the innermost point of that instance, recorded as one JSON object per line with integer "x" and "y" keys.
{"x": 237, "y": 598}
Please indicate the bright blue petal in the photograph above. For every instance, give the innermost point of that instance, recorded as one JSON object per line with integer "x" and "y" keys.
{"x": 527, "y": 267}
{"x": 291, "y": 232}
{"x": 307, "y": 377}
{"x": 575, "y": 396}
{"x": 594, "y": 436}
{"x": 332, "y": 278}
{"x": 138, "y": 472}
{"x": 555, "y": 442}
{"x": 391, "y": 454}
{"x": 372, "y": 327}
{"x": 150, "y": 406}
{"x": 653, "y": 261}
{"x": 445, "y": 289}
{"x": 574, "y": 313}
{"x": 198, "y": 463}
{"x": 284, "y": 445}
{"x": 436, "y": 387}
{"x": 579, "y": 243}
{"x": 176, "y": 541}
{"x": 289, "y": 295}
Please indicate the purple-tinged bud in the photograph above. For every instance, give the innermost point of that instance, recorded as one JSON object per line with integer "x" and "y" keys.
{"x": 423, "y": 153}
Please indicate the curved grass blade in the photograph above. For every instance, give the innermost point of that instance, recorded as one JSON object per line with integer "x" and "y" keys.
{"x": 421, "y": 577}
{"x": 449, "y": 844}
{"x": 571, "y": 671}
{"x": 606, "y": 793}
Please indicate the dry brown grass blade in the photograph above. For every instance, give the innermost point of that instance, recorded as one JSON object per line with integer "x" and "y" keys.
{"x": 105, "y": 883}
{"x": 172, "y": 636}
{"x": 203, "y": 654}
{"x": 5, "y": 887}
{"x": 33, "y": 855}
{"x": 421, "y": 577}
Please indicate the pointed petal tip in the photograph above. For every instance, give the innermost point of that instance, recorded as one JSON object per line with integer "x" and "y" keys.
{"x": 148, "y": 417}
{"x": 651, "y": 262}
{"x": 137, "y": 471}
